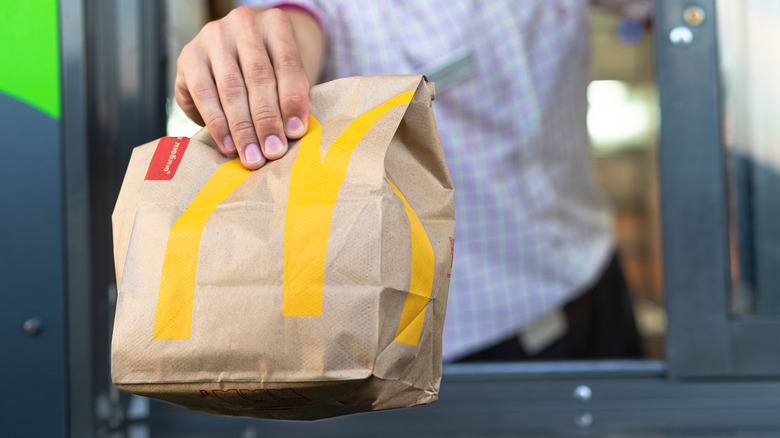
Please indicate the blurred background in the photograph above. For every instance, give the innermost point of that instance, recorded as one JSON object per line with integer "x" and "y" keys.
{"x": 623, "y": 122}
{"x": 84, "y": 81}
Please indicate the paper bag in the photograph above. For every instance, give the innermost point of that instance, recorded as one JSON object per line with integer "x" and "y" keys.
{"x": 313, "y": 287}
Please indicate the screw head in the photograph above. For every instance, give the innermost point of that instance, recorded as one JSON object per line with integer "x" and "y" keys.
{"x": 583, "y": 393}
{"x": 681, "y": 36}
{"x": 583, "y": 420}
{"x": 33, "y": 326}
{"x": 694, "y": 15}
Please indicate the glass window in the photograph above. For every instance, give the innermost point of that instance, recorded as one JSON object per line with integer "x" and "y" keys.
{"x": 750, "y": 65}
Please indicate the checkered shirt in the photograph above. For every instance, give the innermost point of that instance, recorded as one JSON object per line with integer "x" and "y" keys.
{"x": 532, "y": 228}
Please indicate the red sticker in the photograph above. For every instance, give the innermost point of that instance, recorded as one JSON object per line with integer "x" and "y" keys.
{"x": 167, "y": 156}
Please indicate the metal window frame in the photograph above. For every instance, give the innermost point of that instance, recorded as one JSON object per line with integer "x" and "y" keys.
{"x": 704, "y": 338}
{"x": 113, "y": 98}
{"x": 80, "y": 364}
{"x": 708, "y": 350}
{"x": 693, "y": 194}
{"x": 551, "y": 399}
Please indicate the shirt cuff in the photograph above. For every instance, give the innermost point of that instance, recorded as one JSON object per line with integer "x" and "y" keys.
{"x": 640, "y": 10}
{"x": 308, "y": 6}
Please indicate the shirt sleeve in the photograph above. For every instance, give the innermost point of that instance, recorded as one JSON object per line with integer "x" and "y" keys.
{"x": 641, "y": 10}
{"x": 311, "y": 7}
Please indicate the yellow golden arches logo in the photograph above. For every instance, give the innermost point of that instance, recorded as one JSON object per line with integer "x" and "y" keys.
{"x": 314, "y": 187}
{"x": 421, "y": 282}
{"x": 173, "y": 319}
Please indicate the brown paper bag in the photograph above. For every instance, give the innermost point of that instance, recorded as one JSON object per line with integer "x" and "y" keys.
{"x": 313, "y": 287}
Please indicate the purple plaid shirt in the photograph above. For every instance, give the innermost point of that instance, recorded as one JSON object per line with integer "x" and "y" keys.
{"x": 532, "y": 228}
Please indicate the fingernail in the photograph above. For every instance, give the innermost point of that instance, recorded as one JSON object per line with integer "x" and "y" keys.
{"x": 273, "y": 145}
{"x": 228, "y": 144}
{"x": 294, "y": 126}
{"x": 252, "y": 154}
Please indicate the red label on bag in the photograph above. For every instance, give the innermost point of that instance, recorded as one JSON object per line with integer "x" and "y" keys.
{"x": 167, "y": 156}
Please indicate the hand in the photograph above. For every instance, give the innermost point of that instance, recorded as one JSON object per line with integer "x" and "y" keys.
{"x": 244, "y": 78}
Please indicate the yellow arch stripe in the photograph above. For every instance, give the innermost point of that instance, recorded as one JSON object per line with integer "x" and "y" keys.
{"x": 421, "y": 282}
{"x": 173, "y": 318}
{"x": 314, "y": 188}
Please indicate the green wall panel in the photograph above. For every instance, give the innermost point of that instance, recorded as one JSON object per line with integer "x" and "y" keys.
{"x": 30, "y": 63}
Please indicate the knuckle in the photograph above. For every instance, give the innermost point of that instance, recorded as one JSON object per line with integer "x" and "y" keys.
{"x": 212, "y": 30}
{"x": 203, "y": 93}
{"x": 277, "y": 16}
{"x": 189, "y": 55}
{"x": 265, "y": 116}
{"x": 242, "y": 128}
{"x": 215, "y": 120}
{"x": 183, "y": 55}
{"x": 232, "y": 85}
{"x": 289, "y": 62}
{"x": 180, "y": 85}
{"x": 240, "y": 12}
{"x": 242, "y": 15}
{"x": 260, "y": 73}
{"x": 293, "y": 100}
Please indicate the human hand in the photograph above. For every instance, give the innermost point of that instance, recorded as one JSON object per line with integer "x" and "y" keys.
{"x": 244, "y": 77}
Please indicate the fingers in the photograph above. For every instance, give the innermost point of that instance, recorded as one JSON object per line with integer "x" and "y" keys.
{"x": 235, "y": 104}
{"x": 260, "y": 79}
{"x": 243, "y": 78}
{"x": 184, "y": 99}
{"x": 291, "y": 80}
{"x": 277, "y": 85}
{"x": 197, "y": 95}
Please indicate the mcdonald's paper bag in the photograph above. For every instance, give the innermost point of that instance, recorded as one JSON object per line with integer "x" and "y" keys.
{"x": 313, "y": 287}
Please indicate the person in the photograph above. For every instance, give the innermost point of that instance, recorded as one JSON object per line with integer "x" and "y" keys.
{"x": 535, "y": 273}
